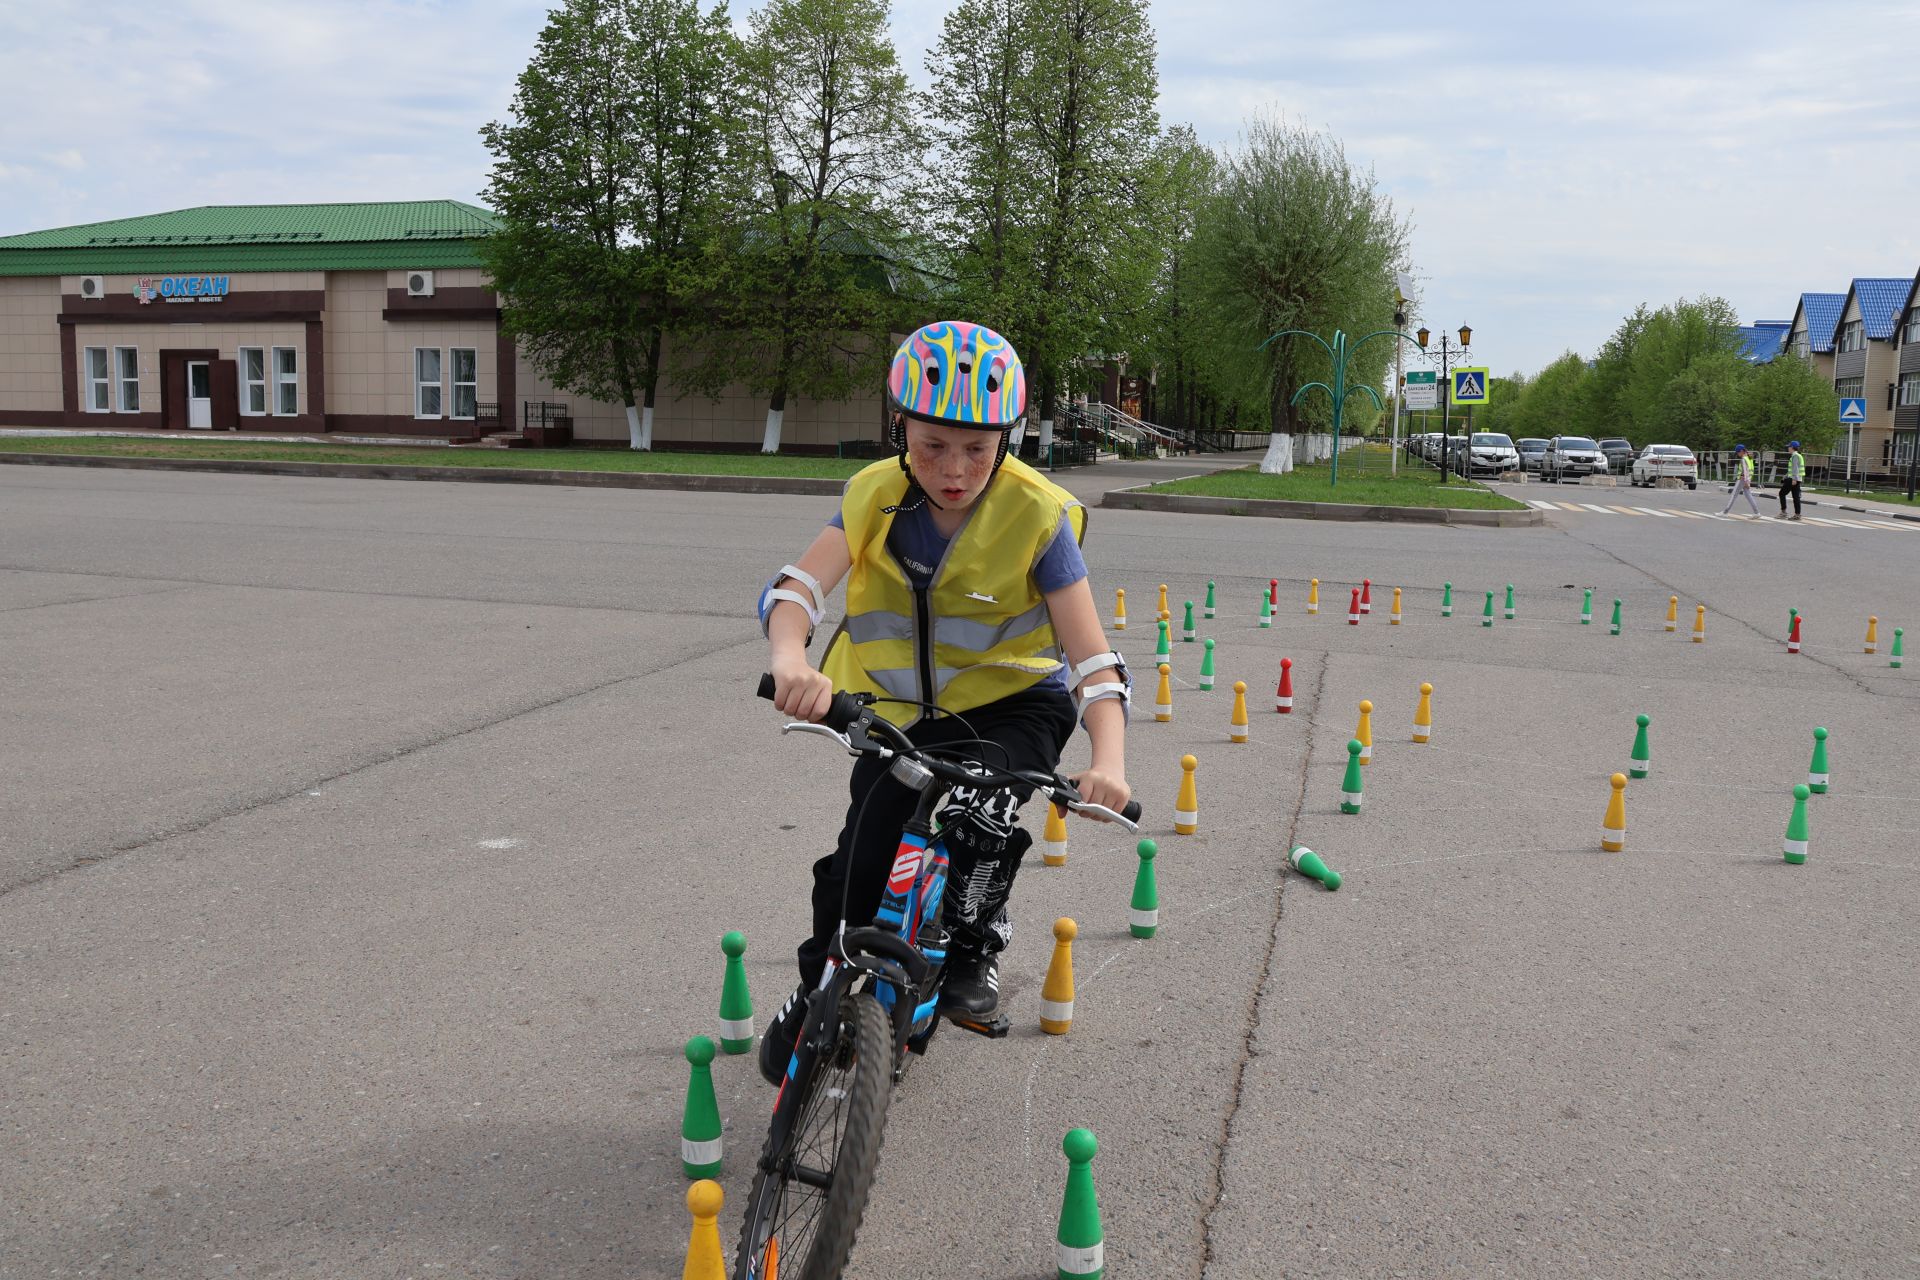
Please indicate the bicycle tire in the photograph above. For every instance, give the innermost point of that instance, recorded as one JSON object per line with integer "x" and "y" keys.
{"x": 853, "y": 1128}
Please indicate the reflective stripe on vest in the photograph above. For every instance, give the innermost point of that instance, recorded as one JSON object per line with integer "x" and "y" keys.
{"x": 991, "y": 633}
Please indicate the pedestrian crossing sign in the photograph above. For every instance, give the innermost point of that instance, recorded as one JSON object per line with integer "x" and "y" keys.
{"x": 1470, "y": 386}
{"x": 1853, "y": 409}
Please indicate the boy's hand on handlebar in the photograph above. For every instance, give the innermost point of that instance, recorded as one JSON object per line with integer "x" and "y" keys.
{"x": 800, "y": 691}
{"x": 1109, "y": 790}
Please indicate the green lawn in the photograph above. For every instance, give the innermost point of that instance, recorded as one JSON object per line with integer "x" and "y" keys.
{"x": 710, "y": 464}
{"x": 1363, "y": 482}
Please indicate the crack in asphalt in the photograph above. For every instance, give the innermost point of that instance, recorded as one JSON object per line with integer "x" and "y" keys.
{"x": 386, "y": 755}
{"x": 1216, "y": 1191}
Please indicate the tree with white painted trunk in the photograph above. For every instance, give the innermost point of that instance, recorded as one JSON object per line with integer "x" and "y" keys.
{"x": 1295, "y": 237}
{"x": 811, "y": 275}
{"x": 603, "y": 180}
{"x": 1041, "y": 191}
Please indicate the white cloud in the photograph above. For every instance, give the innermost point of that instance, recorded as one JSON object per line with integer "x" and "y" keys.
{"x": 1559, "y": 164}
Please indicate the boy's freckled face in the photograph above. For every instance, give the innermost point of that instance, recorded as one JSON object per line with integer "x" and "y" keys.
{"x": 951, "y": 463}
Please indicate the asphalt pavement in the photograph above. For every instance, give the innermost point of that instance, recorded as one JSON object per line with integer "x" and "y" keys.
{"x": 367, "y": 846}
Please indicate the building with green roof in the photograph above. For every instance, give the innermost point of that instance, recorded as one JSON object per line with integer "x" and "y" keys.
{"x": 373, "y": 318}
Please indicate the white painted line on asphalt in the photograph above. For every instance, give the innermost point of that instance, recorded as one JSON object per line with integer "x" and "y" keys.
{"x": 1716, "y": 515}
{"x": 1690, "y": 515}
{"x": 1832, "y": 524}
{"x": 1625, "y": 511}
{"x": 1541, "y": 505}
{"x": 1664, "y": 515}
{"x": 1568, "y": 506}
{"x": 1853, "y": 524}
{"x": 1902, "y": 525}
{"x": 1594, "y": 506}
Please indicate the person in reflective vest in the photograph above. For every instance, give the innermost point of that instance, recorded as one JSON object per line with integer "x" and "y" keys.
{"x": 1796, "y": 472}
{"x": 969, "y": 612}
{"x": 1742, "y": 480}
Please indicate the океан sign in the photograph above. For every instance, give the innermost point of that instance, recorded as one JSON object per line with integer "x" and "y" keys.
{"x": 182, "y": 289}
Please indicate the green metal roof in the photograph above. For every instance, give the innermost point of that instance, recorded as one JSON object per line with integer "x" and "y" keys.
{"x": 268, "y": 237}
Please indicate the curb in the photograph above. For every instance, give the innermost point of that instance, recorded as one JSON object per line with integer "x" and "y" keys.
{"x": 1135, "y": 499}
{"x": 482, "y": 475}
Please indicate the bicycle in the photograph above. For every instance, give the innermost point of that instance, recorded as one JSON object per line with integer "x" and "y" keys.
{"x": 877, "y": 1005}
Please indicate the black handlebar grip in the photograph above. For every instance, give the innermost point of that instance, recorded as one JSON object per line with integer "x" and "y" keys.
{"x": 1131, "y": 812}
{"x": 841, "y": 712}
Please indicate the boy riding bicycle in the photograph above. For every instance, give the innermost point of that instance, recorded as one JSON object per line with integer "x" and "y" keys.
{"x": 965, "y": 584}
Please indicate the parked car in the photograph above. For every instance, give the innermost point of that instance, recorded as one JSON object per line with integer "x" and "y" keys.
{"x": 1531, "y": 450}
{"x": 1570, "y": 457}
{"x": 1491, "y": 453}
{"x": 1619, "y": 454}
{"x": 1665, "y": 461}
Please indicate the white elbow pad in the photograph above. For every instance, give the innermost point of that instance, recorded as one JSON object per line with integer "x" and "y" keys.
{"x": 774, "y": 592}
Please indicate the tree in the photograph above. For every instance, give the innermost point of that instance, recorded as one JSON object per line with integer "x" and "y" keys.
{"x": 599, "y": 179}
{"x": 1550, "y": 404}
{"x": 1671, "y": 341}
{"x": 1043, "y": 194}
{"x": 809, "y": 271}
{"x": 1296, "y": 238}
{"x": 1780, "y": 401}
{"x": 1695, "y": 404}
{"x": 1174, "y": 338}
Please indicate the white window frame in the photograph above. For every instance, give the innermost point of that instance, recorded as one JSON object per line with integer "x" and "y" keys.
{"x": 96, "y": 390}
{"x": 247, "y": 384}
{"x": 1910, "y": 388}
{"x": 454, "y": 382}
{"x": 438, "y": 383}
{"x": 1852, "y": 335}
{"x": 1913, "y": 326}
{"x": 121, "y": 380}
{"x": 276, "y": 380}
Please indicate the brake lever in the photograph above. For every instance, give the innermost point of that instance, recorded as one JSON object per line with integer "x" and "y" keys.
{"x": 1121, "y": 818}
{"x": 803, "y": 726}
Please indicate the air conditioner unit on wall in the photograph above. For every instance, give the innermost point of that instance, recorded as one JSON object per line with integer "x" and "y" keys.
{"x": 419, "y": 284}
{"x": 93, "y": 287}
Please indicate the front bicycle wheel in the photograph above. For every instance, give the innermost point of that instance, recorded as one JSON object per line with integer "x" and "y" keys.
{"x": 809, "y": 1193}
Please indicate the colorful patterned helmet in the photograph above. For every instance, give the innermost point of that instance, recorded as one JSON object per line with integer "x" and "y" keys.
{"x": 959, "y": 374}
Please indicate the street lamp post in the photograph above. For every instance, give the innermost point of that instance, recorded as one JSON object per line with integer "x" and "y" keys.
{"x": 1447, "y": 354}
{"x": 1339, "y": 351}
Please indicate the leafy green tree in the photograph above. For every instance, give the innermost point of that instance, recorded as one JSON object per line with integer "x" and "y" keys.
{"x": 1781, "y": 401}
{"x": 1174, "y": 340}
{"x": 809, "y": 273}
{"x": 1295, "y": 237}
{"x": 600, "y": 180}
{"x": 1551, "y": 403}
{"x": 1600, "y": 409}
{"x": 1673, "y": 339}
{"x": 1695, "y": 404}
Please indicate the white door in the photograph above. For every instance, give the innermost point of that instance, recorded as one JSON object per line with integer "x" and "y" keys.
{"x": 199, "y": 396}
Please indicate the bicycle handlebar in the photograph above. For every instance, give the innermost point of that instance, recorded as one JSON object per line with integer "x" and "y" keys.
{"x": 848, "y": 711}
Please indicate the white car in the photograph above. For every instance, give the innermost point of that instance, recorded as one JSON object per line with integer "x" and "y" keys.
{"x": 1665, "y": 462}
{"x": 1491, "y": 452}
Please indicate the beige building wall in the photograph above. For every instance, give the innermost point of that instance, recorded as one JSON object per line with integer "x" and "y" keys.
{"x": 30, "y": 345}
{"x": 151, "y": 339}
{"x": 391, "y": 372}
{"x": 354, "y": 341}
{"x": 738, "y": 417}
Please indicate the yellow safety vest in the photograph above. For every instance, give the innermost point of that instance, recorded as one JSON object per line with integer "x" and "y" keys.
{"x": 981, "y": 632}
{"x": 1796, "y": 466}
{"x": 1746, "y": 468}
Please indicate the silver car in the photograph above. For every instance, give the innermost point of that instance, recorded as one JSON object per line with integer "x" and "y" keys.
{"x": 1570, "y": 457}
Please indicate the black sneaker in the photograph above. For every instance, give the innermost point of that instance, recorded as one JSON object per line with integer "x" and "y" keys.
{"x": 971, "y": 985}
{"x": 776, "y": 1046}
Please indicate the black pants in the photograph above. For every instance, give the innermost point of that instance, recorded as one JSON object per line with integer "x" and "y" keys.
{"x": 984, "y": 841}
{"x": 1787, "y": 486}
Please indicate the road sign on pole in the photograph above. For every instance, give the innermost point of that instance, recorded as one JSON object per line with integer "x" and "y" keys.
{"x": 1470, "y": 386}
{"x": 1423, "y": 389}
{"x": 1853, "y": 409}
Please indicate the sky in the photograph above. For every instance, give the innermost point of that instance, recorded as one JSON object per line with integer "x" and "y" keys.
{"x": 1559, "y": 164}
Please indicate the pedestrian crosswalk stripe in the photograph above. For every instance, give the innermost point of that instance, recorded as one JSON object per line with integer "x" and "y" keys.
{"x": 1539, "y": 505}
{"x": 1716, "y": 515}
{"x": 1664, "y": 515}
{"x": 1690, "y": 515}
{"x": 1568, "y": 506}
{"x": 1889, "y": 524}
{"x": 1594, "y": 506}
{"x": 1625, "y": 511}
